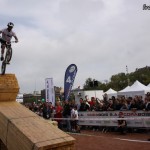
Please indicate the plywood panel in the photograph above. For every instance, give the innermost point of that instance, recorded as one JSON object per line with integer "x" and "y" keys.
{"x": 3, "y": 128}
{"x": 15, "y": 110}
{"x": 35, "y": 132}
{"x": 21, "y": 129}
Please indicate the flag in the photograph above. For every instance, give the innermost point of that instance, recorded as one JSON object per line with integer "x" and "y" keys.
{"x": 70, "y": 75}
{"x": 49, "y": 91}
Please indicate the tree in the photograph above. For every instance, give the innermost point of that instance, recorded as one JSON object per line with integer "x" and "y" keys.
{"x": 121, "y": 80}
{"x": 91, "y": 84}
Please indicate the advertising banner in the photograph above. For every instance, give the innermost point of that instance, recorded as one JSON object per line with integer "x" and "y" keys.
{"x": 69, "y": 80}
{"x": 110, "y": 118}
{"x": 49, "y": 91}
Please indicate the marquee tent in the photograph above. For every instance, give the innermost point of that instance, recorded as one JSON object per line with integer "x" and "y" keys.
{"x": 148, "y": 85}
{"x": 136, "y": 89}
{"x": 125, "y": 89}
{"x": 111, "y": 93}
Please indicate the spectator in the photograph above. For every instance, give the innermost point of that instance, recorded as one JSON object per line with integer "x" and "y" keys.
{"x": 67, "y": 114}
{"x": 92, "y": 101}
{"x": 100, "y": 107}
{"x": 110, "y": 106}
{"x": 58, "y": 114}
{"x": 122, "y": 124}
{"x": 147, "y": 104}
{"x": 94, "y": 106}
{"x": 133, "y": 105}
{"x": 105, "y": 97}
{"x": 117, "y": 104}
{"x": 140, "y": 103}
{"x": 124, "y": 105}
{"x": 74, "y": 117}
{"x": 129, "y": 100}
{"x": 46, "y": 111}
{"x": 83, "y": 105}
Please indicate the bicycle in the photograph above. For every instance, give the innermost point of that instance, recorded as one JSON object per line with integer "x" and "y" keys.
{"x": 8, "y": 55}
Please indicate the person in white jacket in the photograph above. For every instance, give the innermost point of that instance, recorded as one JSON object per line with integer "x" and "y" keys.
{"x": 7, "y": 35}
{"x": 74, "y": 117}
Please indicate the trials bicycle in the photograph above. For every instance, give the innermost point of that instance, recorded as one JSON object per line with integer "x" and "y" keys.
{"x": 8, "y": 55}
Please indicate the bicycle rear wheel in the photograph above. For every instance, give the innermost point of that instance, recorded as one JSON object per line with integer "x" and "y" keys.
{"x": 9, "y": 54}
{"x": 3, "y": 68}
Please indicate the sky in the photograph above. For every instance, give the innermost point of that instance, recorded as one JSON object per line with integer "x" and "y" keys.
{"x": 101, "y": 37}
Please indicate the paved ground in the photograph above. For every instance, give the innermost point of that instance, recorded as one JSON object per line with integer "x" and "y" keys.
{"x": 96, "y": 140}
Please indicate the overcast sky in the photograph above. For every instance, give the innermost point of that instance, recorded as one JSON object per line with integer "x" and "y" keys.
{"x": 100, "y": 36}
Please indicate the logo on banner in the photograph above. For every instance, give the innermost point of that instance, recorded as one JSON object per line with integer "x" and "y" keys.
{"x": 69, "y": 80}
{"x": 47, "y": 91}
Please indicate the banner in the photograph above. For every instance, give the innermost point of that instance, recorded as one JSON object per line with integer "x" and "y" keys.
{"x": 49, "y": 91}
{"x": 69, "y": 80}
{"x": 109, "y": 118}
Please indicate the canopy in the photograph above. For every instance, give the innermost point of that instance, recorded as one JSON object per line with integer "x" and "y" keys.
{"x": 148, "y": 85}
{"x": 125, "y": 89}
{"x": 111, "y": 93}
{"x": 136, "y": 89}
{"x": 137, "y": 86}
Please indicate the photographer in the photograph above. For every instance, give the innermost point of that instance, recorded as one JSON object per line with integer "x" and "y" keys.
{"x": 122, "y": 124}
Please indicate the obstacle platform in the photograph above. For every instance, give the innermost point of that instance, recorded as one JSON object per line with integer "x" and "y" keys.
{"x": 21, "y": 129}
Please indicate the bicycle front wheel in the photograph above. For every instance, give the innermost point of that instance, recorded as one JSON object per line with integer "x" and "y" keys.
{"x": 9, "y": 54}
{"x": 3, "y": 68}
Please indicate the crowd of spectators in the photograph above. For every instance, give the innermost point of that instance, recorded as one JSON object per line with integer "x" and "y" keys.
{"x": 68, "y": 109}
{"x": 112, "y": 104}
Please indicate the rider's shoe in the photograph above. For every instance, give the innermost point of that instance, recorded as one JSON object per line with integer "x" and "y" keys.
{"x": 2, "y": 58}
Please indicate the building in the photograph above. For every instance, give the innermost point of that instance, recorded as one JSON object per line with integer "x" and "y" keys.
{"x": 29, "y": 98}
{"x": 80, "y": 93}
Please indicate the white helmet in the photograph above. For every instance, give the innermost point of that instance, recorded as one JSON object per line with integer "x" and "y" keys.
{"x": 10, "y": 24}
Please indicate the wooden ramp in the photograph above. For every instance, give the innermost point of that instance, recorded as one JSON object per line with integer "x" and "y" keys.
{"x": 21, "y": 129}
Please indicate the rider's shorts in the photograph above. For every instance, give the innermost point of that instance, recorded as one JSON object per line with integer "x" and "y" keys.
{"x": 3, "y": 42}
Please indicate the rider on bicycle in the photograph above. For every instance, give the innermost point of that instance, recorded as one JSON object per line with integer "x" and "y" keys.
{"x": 7, "y": 34}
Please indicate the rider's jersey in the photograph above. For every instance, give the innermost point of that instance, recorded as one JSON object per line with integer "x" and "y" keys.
{"x": 6, "y": 35}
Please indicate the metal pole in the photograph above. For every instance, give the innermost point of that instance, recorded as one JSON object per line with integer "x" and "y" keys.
{"x": 127, "y": 75}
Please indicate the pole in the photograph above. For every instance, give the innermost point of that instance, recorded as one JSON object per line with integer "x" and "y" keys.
{"x": 127, "y": 75}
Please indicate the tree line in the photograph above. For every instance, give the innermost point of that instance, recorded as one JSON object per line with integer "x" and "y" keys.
{"x": 119, "y": 81}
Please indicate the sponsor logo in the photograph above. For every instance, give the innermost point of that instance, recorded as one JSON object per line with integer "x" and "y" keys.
{"x": 72, "y": 69}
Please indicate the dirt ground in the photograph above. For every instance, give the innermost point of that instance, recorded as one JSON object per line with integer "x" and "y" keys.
{"x": 96, "y": 140}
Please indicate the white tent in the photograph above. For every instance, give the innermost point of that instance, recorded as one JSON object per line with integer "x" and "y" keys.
{"x": 136, "y": 89}
{"x": 111, "y": 93}
{"x": 148, "y": 85}
{"x": 125, "y": 89}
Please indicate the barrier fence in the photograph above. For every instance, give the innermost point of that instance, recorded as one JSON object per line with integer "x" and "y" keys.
{"x": 110, "y": 118}
{"x": 139, "y": 119}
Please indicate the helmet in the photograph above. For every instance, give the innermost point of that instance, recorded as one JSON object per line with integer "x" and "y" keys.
{"x": 10, "y": 24}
